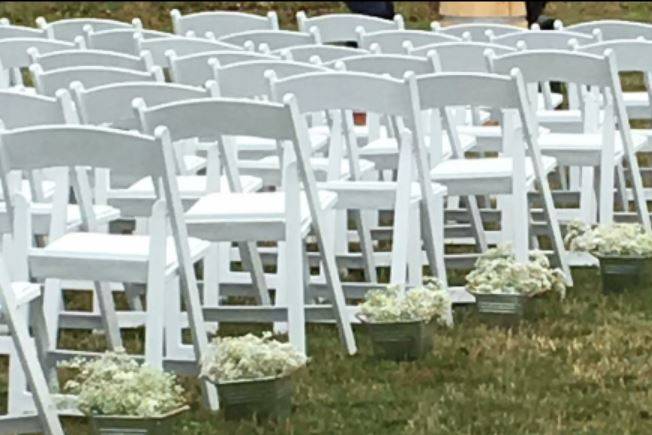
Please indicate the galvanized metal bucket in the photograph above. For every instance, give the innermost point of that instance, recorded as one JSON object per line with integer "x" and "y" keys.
{"x": 132, "y": 425}
{"x": 621, "y": 272}
{"x": 269, "y": 398}
{"x": 401, "y": 341}
{"x": 502, "y": 309}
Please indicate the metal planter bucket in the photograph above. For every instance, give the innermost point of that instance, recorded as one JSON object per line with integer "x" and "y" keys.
{"x": 269, "y": 398}
{"x": 502, "y": 309}
{"x": 133, "y": 425}
{"x": 401, "y": 341}
{"x": 621, "y": 272}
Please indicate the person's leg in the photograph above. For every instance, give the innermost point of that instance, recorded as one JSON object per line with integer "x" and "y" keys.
{"x": 375, "y": 9}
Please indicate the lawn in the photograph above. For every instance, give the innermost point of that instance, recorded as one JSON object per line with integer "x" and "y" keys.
{"x": 583, "y": 366}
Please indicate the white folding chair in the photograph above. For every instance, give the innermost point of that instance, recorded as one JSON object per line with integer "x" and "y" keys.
{"x": 74, "y": 58}
{"x": 68, "y": 29}
{"x": 285, "y": 215}
{"x": 49, "y": 82}
{"x": 627, "y": 59}
{"x": 599, "y": 147}
{"x": 382, "y": 96}
{"x": 511, "y": 174}
{"x": 541, "y": 39}
{"x": 157, "y": 260}
{"x": 120, "y": 40}
{"x": 221, "y": 23}
{"x": 631, "y": 56}
{"x": 259, "y": 156}
{"x": 394, "y": 41}
{"x": 479, "y": 32}
{"x": 267, "y": 40}
{"x": 194, "y": 69}
{"x": 342, "y": 27}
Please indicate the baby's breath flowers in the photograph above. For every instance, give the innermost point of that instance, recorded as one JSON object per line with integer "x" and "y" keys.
{"x": 497, "y": 271}
{"x": 423, "y": 303}
{"x": 609, "y": 240}
{"x": 116, "y": 384}
{"x": 249, "y": 358}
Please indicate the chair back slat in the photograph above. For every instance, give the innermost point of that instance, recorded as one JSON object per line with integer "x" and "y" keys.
{"x": 614, "y": 29}
{"x": 326, "y": 53}
{"x": 193, "y": 69}
{"x": 208, "y": 118}
{"x": 442, "y": 90}
{"x": 342, "y": 27}
{"x": 221, "y": 23}
{"x": 543, "y": 40}
{"x": 476, "y": 31}
{"x": 18, "y": 109}
{"x": 247, "y": 79}
{"x": 120, "y": 40}
{"x": 180, "y": 45}
{"x": 111, "y": 104}
{"x": 12, "y": 31}
{"x": 273, "y": 39}
{"x": 355, "y": 91}
{"x": 630, "y": 54}
{"x": 393, "y": 41}
{"x": 462, "y": 56}
{"x": 13, "y": 51}
{"x": 396, "y": 65}
{"x": 51, "y": 146}
{"x": 68, "y": 29}
{"x": 48, "y": 82}
{"x": 72, "y": 58}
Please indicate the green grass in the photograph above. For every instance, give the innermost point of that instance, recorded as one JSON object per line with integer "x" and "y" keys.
{"x": 582, "y": 367}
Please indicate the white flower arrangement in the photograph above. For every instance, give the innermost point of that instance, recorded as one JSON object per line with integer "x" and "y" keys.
{"x": 249, "y": 358}
{"x": 116, "y": 384}
{"x": 497, "y": 271}
{"x": 609, "y": 240}
{"x": 424, "y": 303}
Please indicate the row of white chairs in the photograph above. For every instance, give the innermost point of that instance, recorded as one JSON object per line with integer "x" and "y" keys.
{"x": 413, "y": 111}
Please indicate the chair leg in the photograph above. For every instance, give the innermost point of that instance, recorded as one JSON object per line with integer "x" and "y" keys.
{"x": 211, "y": 281}
{"x": 621, "y": 188}
{"x": 29, "y": 359}
{"x": 475, "y": 219}
{"x": 366, "y": 246}
{"x": 109, "y": 316}
{"x": 252, "y": 262}
{"x": 133, "y": 297}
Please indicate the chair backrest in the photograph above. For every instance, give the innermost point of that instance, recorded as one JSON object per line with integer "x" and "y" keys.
{"x": 68, "y": 29}
{"x": 395, "y": 65}
{"x": 247, "y": 79}
{"x": 614, "y": 29}
{"x": 461, "y": 56}
{"x": 72, "y": 58}
{"x": 272, "y": 39}
{"x": 476, "y": 31}
{"x": 110, "y": 104}
{"x": 325, "y": 53}
{"x": 221, "y": 23}
{"x": 48, "y": 82}
{"x": 12, "y": 31}
{"x": 344, "y": 90}
{"x": 193, "y": 69}
{"x": 342, "y": 27}
{"x": 13, "y": 51}
{"x": 120, "y": 40}
{"x": 538, "y": 66}
{"x": 181, "y": 45}
{"x": 20, "y": 109}
{"x": 630, "y": 53}
{"x": 542, "y": 39}
{"x": 394, "y": 41}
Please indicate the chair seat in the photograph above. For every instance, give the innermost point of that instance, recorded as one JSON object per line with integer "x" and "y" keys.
{"x": 484, "y": 175}
{"x": 488, "y": 137}
{"x": 137, "y": 199}
{"x": 373, "y": 195}
{"x": 194, "y": 163}
{"x": 268, "y": 168}
{"x": 104, "y": 257}
{"x": 579, "y": 149}
{"x": 384, "y": 152}
{"x": 256, "y": 147}
{"x": 247, "y": 216}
